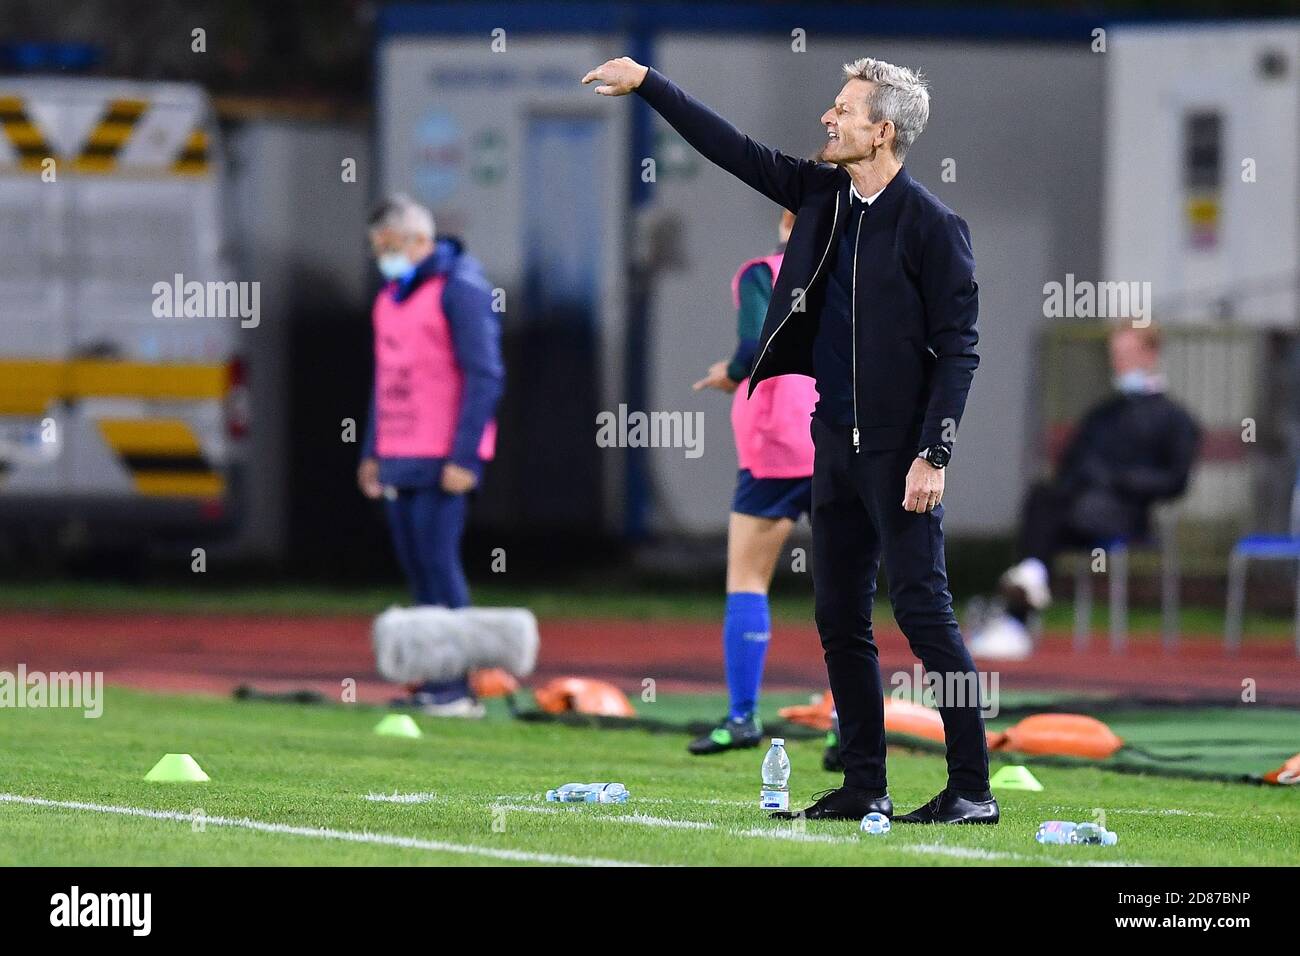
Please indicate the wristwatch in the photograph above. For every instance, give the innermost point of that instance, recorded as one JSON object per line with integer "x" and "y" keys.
{"x": 937, "y": 455}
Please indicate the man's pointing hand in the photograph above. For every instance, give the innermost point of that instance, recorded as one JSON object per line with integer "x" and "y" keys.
{"x": 617, "y": 77}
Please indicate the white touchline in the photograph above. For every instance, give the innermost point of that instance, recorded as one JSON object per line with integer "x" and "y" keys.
{"x": 794, "y": 835}
{"x": 678, "y": 801}
{"x": 782, "y": 833}
{"x": 324, "y": 833}
{"x": 401, "y": 797}
{"x": 649, "y": 821}
{"x": 1167, "y": 812}
{"x": 1149, "y": 810}
{"x": 701, "y": 801}
{"x": 638, "y": 818}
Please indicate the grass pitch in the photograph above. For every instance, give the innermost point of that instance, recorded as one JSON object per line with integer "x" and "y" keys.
{"x": 295, "y": 785}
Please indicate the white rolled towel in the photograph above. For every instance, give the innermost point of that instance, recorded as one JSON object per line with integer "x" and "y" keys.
{"x": 418, "y": 644}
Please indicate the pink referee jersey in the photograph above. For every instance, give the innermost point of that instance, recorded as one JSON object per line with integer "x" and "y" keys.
{"x": 418, "y": 382}
{"x": 772, "y": 427}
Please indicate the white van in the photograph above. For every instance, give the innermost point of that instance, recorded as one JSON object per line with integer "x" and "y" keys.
{"x": 116, "y": 416}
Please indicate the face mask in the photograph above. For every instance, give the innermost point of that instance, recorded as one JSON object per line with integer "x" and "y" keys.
{"x": 394, "y": 265}
{"x": 1135, "y": 382}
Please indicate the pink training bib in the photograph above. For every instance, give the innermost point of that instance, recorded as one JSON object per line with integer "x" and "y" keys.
{"x": 772, "y": 428}
{"x": 418, "y": 383}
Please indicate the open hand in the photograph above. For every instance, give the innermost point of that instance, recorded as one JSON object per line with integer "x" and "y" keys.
{"x": 368, "y": 479}
{"x": 617, "y": 77}
{"x": 717, "y": 378}
{"x": 457, "y": 480}
{"x": 924, "y": 487}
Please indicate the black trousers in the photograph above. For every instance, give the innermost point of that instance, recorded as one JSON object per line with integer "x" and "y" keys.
{"x": 1055, "y": 519}
{"x": 857, "y": 518}
{"x": 1045, "y": 529}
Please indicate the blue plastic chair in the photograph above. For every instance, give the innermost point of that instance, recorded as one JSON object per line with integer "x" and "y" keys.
{"x": 1164, "y": 540}
{"x": 1256, "y": 547}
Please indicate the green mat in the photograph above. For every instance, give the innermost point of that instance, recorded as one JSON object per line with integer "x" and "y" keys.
{"x": 1220, "y": 742}
{"x": 1237, "y": 743}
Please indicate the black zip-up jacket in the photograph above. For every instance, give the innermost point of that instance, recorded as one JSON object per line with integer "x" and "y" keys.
{"x": 915, "y": 295}
{"x": 1130, "y": 452}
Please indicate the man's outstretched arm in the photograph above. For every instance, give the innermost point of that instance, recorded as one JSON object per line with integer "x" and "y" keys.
{"x": 771, "y": 172}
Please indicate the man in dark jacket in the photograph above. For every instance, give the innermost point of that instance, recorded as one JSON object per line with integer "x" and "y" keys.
{"x": 1134, "y": 449}
{"x": 876, "y": 299}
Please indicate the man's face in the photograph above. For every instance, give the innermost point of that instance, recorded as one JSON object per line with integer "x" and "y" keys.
{"x": 850, "y": 134}
{"x": 1129, "y": 352}
{"x": 389, "y": 241}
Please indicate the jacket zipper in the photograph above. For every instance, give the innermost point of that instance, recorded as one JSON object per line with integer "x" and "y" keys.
{"x": 853, "y": 312}
{"x": 816, "y": 272}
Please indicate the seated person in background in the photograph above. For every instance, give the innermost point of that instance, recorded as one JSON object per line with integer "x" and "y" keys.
{"x": 1134, "y": 449}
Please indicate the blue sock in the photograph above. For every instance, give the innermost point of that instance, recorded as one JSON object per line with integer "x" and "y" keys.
{"x": 745, "y": 633}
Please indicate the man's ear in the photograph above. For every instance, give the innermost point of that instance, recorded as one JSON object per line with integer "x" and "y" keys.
{"x": 888, "y": 132}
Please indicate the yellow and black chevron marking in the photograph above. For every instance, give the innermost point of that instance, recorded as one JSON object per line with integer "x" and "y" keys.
{"x": 163, "y": 456}
{"x": 28, "y": 386}
{"x": 27, "y": 140}
{"x": 99, "y": 155}
{"x": 193, "y": 158}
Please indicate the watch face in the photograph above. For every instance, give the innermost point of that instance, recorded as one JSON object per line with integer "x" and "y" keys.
{"x": 938, "y": 455}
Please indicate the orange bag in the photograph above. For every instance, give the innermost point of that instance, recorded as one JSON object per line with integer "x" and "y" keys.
{"x": 1288, "y": 773}
{"x": 1069, "y": 735}
{"x": 493, "y": 682}
{"x": 915, "y": 720}
{"x": 901, "y": 717}
{"x": 583, "y": 696}
{"x": 815, "y": 714}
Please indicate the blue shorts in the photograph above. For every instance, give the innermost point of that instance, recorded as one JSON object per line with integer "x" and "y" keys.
{"x": 772, "y": 497}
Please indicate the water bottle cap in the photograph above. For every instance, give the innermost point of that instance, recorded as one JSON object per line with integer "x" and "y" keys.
{"x": 778, "y": 741}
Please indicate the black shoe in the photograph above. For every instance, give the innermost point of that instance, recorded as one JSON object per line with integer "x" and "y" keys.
{"x": 948, "y": 807}
{"x": 831, "y": 755}
{"x": 844, "y": 803}
{"x": 731, "y": 734}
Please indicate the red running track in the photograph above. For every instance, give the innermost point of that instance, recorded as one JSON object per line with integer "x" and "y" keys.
{"x": 216, "y": 653}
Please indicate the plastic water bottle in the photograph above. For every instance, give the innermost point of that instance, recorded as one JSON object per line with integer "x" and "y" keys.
{"x": 588, "y": 793}
{"x": 1094, "y": 835}
{"x": 1064, "y": 833}
{"x": 1057, "y": 832}
{"x": 775, "y": 794}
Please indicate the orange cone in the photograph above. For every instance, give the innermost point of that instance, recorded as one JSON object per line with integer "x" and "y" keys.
{"x": 815, "y": 714}
{"x": 1068, "y": 735}
{"x": 901, "y": 717}
{"x": 493, "y": 682}
{"x": 583, "y": 696}
{"x": 1287, "y": 774}
{"x": 906, "y": 717}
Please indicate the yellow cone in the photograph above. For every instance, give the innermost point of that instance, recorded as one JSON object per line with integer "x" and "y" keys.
{"x": 398, "y": 725}
{"x": 1015, "y": 778}
{"x": 176, "y": 768}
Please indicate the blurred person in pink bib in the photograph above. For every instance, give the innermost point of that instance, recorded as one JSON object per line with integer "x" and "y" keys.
{"x": 774, "y": 449}
{"x": 438, "y": 378}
